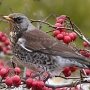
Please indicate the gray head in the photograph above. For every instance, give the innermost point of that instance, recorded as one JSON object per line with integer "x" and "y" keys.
{"x": 18, "y": 20}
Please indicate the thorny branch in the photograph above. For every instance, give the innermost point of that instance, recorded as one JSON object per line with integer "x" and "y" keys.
{"x": 79, "y": 33}
{"x": 73, "y": 84}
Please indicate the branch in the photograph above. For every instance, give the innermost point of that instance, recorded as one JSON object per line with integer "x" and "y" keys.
{"x": 73, "y": 84}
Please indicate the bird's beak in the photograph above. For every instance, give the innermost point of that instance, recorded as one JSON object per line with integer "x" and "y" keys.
{"x": 7, "y": 18}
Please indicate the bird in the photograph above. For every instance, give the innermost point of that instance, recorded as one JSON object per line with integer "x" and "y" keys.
{"x": 39, "y": 50}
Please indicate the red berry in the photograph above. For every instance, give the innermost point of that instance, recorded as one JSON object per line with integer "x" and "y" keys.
{"x": 87, "y": 71}
{"x": 17, "y": 84}
{"x": 9, "y": 81}
{"x": 58, "y": 89}
{"x": 40, "y": 84}
{"x": 5, "y": 35}
{"x": 73, "y": 69}
{"x": 3, "y": 72}
{"x": 85, "y": 44}
{"x": 17, "y": 70}
{"x": 83, "y": 52}
{"x": 58, "y": 25}
{"x": 28, "y": 73}
{"x": 75, "y": 35}
{"x": 56, "y": 32}
{"x": 45, "y": 88}
{"x": 71, "y": 36}
{"x": 64, "y": 33}
{"x": 34, "y": 83}
{"x": 8, "y": 47}
{"x": 3, "y": 39}
{"x": 29, "y": 82}
{"x": 50, "y": 89}
{"x": 7, "y": 42}
{"x": 61, "y": 21}
{"x": 66, "y": 70}
{"x": 87, "y": 55}
{"x": 67, "y": 39}
{"x": 2, "y": 63}
{"x": 67, "y": 74}
{"x": 16, "y": 79}
{"x": 5, "y": 50}
{"x": 59, "y": 36}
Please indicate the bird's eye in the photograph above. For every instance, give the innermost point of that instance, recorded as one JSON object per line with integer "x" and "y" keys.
{"x": 18, "y": 20}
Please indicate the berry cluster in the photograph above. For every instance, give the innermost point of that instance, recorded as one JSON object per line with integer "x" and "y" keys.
{"x": 68, "y": 71}
{"x": 4, "y": 43}
{"x": 12, "y": 77}
{"x": 61, "y": 33}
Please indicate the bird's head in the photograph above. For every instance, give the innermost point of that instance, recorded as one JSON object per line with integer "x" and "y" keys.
{"x": 18, "y": 24}
{"x": 17, "y": 21}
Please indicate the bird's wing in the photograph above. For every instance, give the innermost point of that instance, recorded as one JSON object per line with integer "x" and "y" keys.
{"x": 37, "y": 40}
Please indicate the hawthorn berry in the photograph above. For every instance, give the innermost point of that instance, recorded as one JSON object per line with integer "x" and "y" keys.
{"x": 16, "y": 79}
{"x": 67, "y": 74}
{"x": 60, "y": 36}
{"x": 61, "y": 21}
{"x": 66, "y": 70}
{"x": 83, "y": 52}
{"x": 58, "y": 25}
{"x": 40, "y": 84}
{"x": 45, "y": 88}
{"x": 29, "y": 82}
{"x": 50, "y": 89}
{"x": 75, "y": 35}
{"x": 3, "y": 39}
{"x": 73, "y": 68}
{"x": 67, "y": 39}
{"x": 4, "y": 50}
{"x": 35, "y": 83}
{"x": 17, "y": 70}
{"x": 64, "y": 33}
{"x": 87, "y": 71}
{"x": 3, "y": 72}
{"x": 56, "y": 32}
{"x": 8, "y": 47}
{"x": 7, "y": 42}
{"x": 2, "y": 63}
{"x": 17, "y": 84}
{"x": 9, "y": 81}
{"x": 85, "y": 44}
{"x": 71, "y": 36}
{"x": 87, "y": 55}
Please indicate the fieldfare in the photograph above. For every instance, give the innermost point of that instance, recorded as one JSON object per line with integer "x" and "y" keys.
{"x": 38, "y": 50}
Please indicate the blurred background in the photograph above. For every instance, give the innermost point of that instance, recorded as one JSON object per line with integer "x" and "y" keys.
{"x": 78, "y": 10}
